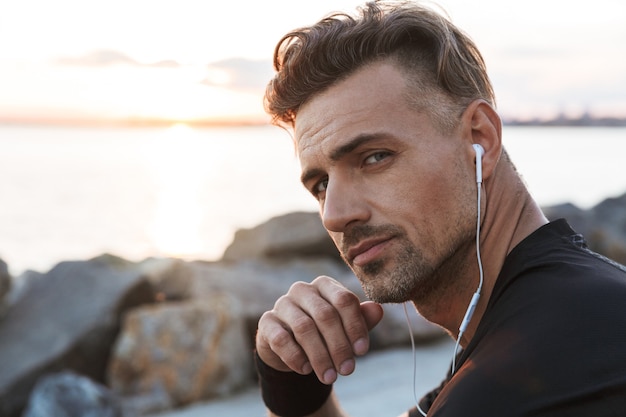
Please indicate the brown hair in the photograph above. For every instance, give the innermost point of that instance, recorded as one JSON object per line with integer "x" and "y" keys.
{"x": 444, "y": 67}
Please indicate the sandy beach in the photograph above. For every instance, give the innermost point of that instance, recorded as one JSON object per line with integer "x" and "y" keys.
{"x": 381, "y": 385}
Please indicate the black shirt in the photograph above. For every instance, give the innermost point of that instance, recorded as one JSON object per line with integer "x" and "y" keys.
{"x": 552, "y": 341}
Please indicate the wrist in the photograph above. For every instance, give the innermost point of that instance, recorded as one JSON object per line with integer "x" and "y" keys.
{"x": 289, "y": 394}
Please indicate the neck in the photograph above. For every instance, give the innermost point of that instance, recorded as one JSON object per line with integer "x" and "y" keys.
{"x": 509, "y": 215}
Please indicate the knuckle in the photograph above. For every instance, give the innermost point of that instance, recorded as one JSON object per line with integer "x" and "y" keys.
{"x": 280, "y": 339}
{"x": 319, "y": 279}
{"x": 355, "y": 330}
{"x": 346, "y": 299}
{"x": 341, "y": 352}
{"x": 299, "y": 286}
{"x": 265, "y": 317}
{"x": 282, "y": 300}
{"x": 287, "y": 349}
{"x": 323, "y": 279}
{"x": 326, "y": 314}
{"x": 303, "y": 325}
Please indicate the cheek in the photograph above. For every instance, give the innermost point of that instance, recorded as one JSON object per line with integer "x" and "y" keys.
{"x": 430, "y": 203}
{"x": 418, "y": 195}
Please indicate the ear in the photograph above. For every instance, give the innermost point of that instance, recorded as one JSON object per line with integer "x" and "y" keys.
{"x": 483, "y": 126}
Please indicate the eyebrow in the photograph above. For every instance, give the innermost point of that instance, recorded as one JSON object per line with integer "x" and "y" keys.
{"x": 339, "y": 153}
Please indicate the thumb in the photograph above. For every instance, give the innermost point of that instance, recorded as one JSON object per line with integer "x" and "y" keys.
{"x": 372, "y": 312}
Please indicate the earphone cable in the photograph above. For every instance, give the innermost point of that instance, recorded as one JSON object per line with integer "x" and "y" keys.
{"x": 480, "y": 282}
{"x": 408, "y": 322}
{"x": 473, "y": 302}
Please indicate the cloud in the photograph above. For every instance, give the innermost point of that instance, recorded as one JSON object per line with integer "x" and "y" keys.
{"x": 108, "y": 57}
{"x": 240, "y": 74}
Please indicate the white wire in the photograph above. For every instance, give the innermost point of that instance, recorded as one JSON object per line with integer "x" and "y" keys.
{"x": 478, "y": 291}
{"x": 480, "y": 272}
{"x": 478, "y": 257}
{"x": 408, "y": 322}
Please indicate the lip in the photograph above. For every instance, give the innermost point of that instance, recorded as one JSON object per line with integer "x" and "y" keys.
{"x": 367, "y": 250}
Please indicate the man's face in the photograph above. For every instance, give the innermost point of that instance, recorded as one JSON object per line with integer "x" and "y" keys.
{"x": 396, "y": 195}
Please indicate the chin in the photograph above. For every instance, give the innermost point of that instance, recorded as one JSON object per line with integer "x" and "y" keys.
{"x": 384, "y": 286}
{"x": 386, "y": 295}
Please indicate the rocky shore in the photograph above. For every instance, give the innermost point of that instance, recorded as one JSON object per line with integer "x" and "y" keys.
{"x": 110, "y": 337}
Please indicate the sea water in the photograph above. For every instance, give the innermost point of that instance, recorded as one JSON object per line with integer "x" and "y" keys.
{"x": 74, "y": 193}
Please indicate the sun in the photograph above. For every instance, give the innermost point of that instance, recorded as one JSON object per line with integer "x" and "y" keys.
{"x": 183, "y": 97}
{"x": 137, "y": 93}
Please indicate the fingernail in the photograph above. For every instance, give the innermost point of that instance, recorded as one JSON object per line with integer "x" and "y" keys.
{"x": 347, "y": 367}
{"x": 330, "y": 376}
{"x": 307, "y": 368}
{"x": 360, "y": 346}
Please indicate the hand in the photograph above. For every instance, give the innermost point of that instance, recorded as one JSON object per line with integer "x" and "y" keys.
{"x": 318, "y": 327}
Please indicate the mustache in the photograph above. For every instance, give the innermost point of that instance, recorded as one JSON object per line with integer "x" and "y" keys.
{"x": 359, "y": 232}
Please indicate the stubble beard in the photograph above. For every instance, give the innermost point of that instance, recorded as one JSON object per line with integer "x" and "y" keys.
{"x": 393, "y": 279}
{"x": 405, "y": 277}
{"x": 408, "y": 275}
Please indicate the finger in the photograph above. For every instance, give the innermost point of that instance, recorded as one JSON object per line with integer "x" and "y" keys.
{"x": 351, "y": 337}
{"x": 277, "y": 346}
{"x": 271, "y": 332}
{"x": 318, "y": 329}
{"x": 372, "y": 313}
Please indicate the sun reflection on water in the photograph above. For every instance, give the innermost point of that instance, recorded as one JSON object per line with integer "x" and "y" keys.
{"x": 178, "y": 161}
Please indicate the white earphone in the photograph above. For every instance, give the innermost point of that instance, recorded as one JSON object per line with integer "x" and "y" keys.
{"x": 480, "y": 151}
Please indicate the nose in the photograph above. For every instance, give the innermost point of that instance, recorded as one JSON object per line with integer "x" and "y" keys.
{"x": 343, "y": 205}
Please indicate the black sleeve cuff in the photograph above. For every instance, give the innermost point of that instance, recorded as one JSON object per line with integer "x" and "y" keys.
{"x": 288, "y": 394}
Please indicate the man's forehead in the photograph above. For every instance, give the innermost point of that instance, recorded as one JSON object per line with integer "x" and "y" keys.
{"x": 371, "y": 88}
{"x": 307, "y": 135}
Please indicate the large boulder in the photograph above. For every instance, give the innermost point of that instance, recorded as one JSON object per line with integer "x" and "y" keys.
{"x": 171, "y": 278}
{"x": 181, "y": 352}
{"x": 259, "y": 283}
{"x": 67, "y": 394}
{"x": 20, "y": 285}
{"x": 67, "y": 319}
{"x": 298, "y": 234}
{"x": 604, "y": 226}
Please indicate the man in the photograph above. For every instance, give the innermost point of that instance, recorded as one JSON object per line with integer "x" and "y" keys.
{"x": 393, "y": 119}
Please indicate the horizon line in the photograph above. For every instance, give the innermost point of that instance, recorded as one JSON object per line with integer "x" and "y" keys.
{"x": 142, "y": 122}
{"x": 139, "y": 122}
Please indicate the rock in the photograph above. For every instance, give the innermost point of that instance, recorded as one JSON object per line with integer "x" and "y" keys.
{"x": 67, "y": 394}
{"x": 258, "y": 284}
{"x": 292, "y": 235}
{"x": 604, "y": 226}
{"x": 20, "y": 285}
{"x": 5, "y": 287}
{"x": 609, "y": 236}
{"x": 113, "y": 261}
{"x": 171, "y": 278}
{"x": 181, "y": 351}
{"x": 575, "y": 216}
{"x": 66, "y": 319}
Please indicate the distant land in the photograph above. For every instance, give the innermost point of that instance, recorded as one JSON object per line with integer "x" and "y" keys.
{"x": 561, "y": 120}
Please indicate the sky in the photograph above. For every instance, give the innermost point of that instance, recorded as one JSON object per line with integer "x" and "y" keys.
{"x": 185, "y": 60}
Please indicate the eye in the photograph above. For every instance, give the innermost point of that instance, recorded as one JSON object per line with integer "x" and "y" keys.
{"x": 376, "y": 157}
{"x": 319, "y": 188}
